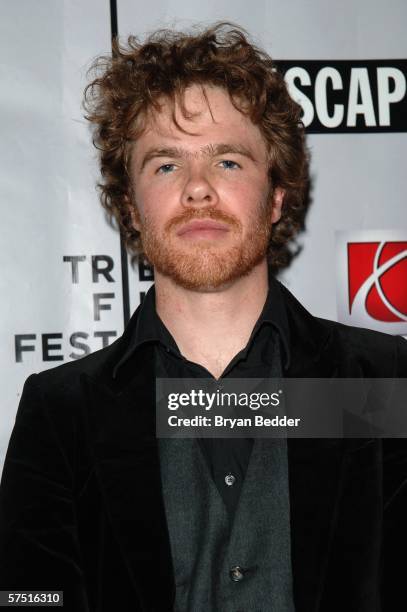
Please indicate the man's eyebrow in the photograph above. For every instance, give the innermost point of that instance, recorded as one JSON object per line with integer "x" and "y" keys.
{"x": 211, "y": 150}
{"x": 161, "y": 152}
{"x": 222, "y": 149}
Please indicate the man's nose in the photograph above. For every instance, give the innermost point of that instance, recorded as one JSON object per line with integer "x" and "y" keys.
{"x": 198, "y": 191}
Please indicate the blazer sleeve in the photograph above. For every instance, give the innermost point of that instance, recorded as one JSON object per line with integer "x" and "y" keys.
{"x": 394, "y": 546}
{"x": 39, "y": 547}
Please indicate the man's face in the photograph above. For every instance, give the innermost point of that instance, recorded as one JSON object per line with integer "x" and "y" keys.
{"x": 218, "y": 173}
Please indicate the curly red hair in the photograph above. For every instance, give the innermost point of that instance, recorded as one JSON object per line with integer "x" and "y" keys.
{"x": 129, "y": 83}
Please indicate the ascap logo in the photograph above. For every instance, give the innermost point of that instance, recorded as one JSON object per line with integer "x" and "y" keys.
{"x": 349, "y": 96}
{"x": 372, "y": 280}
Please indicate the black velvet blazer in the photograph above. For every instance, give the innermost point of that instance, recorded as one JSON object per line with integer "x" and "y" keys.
{"x": 81, "y": 507}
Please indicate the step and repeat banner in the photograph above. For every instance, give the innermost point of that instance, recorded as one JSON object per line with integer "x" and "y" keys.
{"x": 62, "y": 288}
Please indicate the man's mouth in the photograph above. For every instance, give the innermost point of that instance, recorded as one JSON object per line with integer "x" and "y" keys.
{"x": 203, "y": 227}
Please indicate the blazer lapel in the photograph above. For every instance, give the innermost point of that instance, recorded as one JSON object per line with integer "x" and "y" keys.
{"x": 121, "y": 418}
{"x": 315, "y": 466}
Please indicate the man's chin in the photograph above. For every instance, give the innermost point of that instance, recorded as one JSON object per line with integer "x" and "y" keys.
{"x": 206, "y": 272}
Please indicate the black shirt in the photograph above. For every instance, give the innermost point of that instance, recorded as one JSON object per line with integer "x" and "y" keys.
{"x": 225, "y": 456}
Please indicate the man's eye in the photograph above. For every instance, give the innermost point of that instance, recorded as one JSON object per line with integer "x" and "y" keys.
{"x": 165, "y": 169}
{"x": 228, "y": 164}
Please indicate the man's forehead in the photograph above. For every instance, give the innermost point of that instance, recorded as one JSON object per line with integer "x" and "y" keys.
{"x": 165, "y": 129}
{"x": 210, "y": 128}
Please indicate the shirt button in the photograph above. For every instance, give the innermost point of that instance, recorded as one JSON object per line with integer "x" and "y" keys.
{"x": 230, "y": 479}
{"x": 236, "y": 573}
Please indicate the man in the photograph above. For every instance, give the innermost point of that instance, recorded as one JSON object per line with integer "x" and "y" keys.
{"x": 204, "y": 167}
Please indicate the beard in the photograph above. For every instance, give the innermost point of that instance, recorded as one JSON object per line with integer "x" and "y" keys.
{"x": 202, "y": 264}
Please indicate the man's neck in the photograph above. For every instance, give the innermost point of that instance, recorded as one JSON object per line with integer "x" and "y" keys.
{"x": 211, "y": 327}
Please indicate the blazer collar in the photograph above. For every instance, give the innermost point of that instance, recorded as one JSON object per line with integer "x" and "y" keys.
{"x": 314, "y": 351}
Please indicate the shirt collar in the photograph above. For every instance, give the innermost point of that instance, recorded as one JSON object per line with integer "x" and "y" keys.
{"x": 150, "y": 328}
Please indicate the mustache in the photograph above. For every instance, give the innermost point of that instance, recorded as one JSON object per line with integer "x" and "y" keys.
{"x": 204, "y": 213}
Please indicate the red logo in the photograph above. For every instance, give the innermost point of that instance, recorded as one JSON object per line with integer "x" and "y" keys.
{"x": 377, "y": 279}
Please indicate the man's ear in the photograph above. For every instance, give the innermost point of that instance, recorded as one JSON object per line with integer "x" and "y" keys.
{"x": 277, "y": 204}
{"x": 134, "y": 213}
{"x": 135, "y": 218}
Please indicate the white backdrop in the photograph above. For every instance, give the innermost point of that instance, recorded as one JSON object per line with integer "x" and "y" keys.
{"x": 53, "y": 225}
